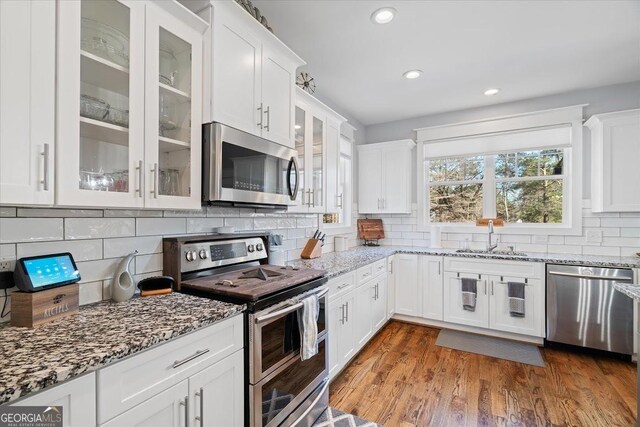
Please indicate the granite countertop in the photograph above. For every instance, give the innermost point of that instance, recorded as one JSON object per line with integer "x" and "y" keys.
{"x": 337, "y": 263}
{"x": 630, "y": 290}
{"x": 100, "y": 334}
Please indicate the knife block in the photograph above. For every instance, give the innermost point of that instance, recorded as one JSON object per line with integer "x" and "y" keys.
{"x": 313, "y": 249}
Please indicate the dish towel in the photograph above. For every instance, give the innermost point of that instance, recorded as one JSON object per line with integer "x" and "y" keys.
{"x": 516, "y": 299}
{"x": 308, "y": 324}
{"x": 469, "y": 293}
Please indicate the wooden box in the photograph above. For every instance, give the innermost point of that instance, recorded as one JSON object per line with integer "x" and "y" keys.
{"x": 35, "y": 308}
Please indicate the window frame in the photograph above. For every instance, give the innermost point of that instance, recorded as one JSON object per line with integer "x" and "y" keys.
{"x": 572, "y": 170}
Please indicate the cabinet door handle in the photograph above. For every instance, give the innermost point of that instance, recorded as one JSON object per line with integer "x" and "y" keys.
{"x": 45, "y": 169}
{"x": 346, "y": 318}
{"x": 439, "y": 268}
{"x": 268, "y": 113}
{"x": 312, "y": 195}
{"x": 379, "y": 204}
{"x": 492, "y": 287}
{"x": 341, "y": 201}
{"x": 391, "y": 267}
{"x": 342, "y": 314}
{"x": 485, "y": 287}
{"x": 260, "y": 110}
{"x": 197, "y": 354}
{"x": 185, "y": 403}
{"x": 154, "y": 191}
{"x": 309, "y": 198}
{"x": 384, "y": 204}
{"x": 200, "y": 418}
{"x": 140, "y": 170}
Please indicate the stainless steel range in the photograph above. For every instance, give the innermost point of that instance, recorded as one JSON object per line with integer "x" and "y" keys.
{"x": 281, "y": 389}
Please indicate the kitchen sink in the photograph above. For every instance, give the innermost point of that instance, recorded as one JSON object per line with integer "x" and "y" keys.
{"x": 486, "y": 252}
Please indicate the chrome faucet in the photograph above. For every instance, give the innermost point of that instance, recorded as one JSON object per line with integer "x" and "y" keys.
{"x": 490, "y": 246}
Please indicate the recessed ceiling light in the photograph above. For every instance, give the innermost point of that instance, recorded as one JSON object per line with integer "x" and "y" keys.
{"x": 384, "y": 15}
{"x": 412, "y": 74}
{"x": 492, "y": 91}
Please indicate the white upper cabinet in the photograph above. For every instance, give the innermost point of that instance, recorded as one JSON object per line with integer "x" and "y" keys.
{"x": 384, "y": 177}
{"x": 129, "y": 104}
{"x": 615, "y": 150}
{"x": 251, "y": 75}
{"x": 27, "y": 111}
{"x": 173, "y": 135}
{"x": 317, "y": 142}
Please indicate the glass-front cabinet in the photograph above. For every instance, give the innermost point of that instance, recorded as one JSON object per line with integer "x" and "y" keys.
{"x": 123, "y": 141}
{"x": 310, "y": 142}
{"x": 174, "y": 110}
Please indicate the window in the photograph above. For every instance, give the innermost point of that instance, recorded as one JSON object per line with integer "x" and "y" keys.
{"x": 524, "y": 187}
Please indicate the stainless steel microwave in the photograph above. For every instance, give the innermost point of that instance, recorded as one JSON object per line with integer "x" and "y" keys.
{"x": 240, "y": 168}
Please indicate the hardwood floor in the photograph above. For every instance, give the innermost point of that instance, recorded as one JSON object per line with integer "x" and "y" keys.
{"x": 401, "y": 378}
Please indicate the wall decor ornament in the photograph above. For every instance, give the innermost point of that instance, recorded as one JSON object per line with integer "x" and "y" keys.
{"x": 306, "y": 82}
{"x": 255, "y": 12}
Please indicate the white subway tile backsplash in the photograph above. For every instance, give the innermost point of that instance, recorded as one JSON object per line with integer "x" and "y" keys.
{"x": 131, "y": 213}
{"x": 630, "y": 232}
{"x": 307, "y": 222}
{"x": 620, "y": 222}
{"x": 122, "y": 246}
{"x": 186, "y": 213}
{"x": 601, "y": 250}
{"x": 265, "y": 223}
{"x": 412, "y": 235}
{"x": 295, "y": 233}
{"x": 92, "y": 271}
{"x": 531, "y": 247}
{"x": 621, "y": 241}
{"x": 90, "y": 292}
{"x": 7, "y": 252}
{"x": 148, "y": 263}
{"x": 82, "y": 250}
{"x": 286, "y": 223}
{"x": 203, "y": 225}
{"x": 6, "y": 211}
{"x": 59, "y": 213}
{"x": 160, "y": 226}
{"x": 240, "y": 224}
{"x": 16, "y": 230}
{"x": 565, "y": 249}
{"x": 222, "y": 211}
{"x": 591, "y": 222}
{"x": 91, "y": 228}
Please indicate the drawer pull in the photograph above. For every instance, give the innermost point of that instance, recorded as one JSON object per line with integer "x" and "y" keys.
{"x": 197, "y": 354}
{"x": 366, "y": 274}
{"x": 343, "y": 286}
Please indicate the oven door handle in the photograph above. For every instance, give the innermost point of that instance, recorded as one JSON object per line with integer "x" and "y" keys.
{"x": 286, "y": 310}
{"x": 313, "y": 404}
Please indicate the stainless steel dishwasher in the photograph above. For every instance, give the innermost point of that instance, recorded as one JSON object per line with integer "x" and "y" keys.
{"x": 584, "y": 310}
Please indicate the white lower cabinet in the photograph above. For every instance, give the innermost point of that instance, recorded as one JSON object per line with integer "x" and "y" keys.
{"x": 500, "y": 317}
{"x": 341, "y": 335}
{"x": 408, "y": 290}
{"x": 362, "y": 313}
{"x": 356, "y": 313}
{"x": 216, "y": 394}
{"x": 165, "y": 409}
{"x": 430, "y": 279}
{"x": 77, "y": 398}
{"x": 453, "y": 308}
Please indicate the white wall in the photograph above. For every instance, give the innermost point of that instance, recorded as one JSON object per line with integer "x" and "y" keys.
{"x": 601, "y": 100}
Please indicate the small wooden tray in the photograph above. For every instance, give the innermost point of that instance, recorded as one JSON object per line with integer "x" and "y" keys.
{"x": 484, "y": 222}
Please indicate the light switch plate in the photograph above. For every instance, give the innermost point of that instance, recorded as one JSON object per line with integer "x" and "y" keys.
{"x": 594, "y": 236}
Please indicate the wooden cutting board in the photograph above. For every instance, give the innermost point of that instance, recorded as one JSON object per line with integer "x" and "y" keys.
{"x": 370, "y": 229}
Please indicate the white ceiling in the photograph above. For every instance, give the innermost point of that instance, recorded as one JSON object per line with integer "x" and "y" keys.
{"x": 526, "y": 48}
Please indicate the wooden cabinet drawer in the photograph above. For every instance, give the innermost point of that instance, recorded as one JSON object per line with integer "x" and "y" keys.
{"x": 341, "y": 285}
{"x": 130, "y": 382}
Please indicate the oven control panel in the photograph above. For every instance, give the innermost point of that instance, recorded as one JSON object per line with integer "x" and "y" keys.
{"x": 201, "y": 255}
